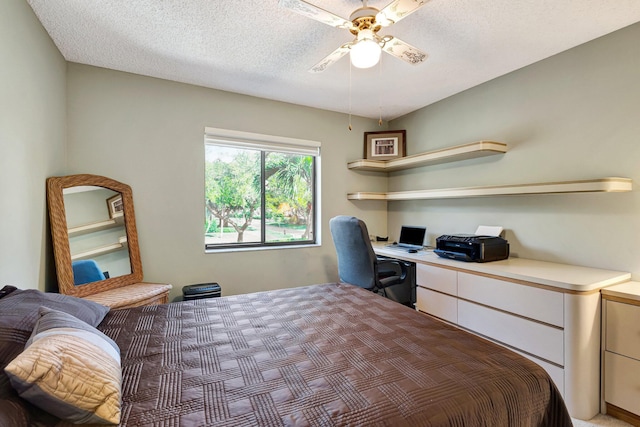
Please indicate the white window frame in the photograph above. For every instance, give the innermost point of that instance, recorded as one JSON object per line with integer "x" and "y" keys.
{"x": 249, "y": 140}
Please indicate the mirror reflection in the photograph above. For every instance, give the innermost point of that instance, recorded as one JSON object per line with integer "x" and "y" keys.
{"x": 97, "y": 233}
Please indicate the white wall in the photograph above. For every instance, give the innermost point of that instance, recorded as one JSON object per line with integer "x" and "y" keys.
{"x": 569, "y": 117}
{"x": 572, "y": 116}
{"x": 149, "y": 133}
{"x": 32, "y": 141}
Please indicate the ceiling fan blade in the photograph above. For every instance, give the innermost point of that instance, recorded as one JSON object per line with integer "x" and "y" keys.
{"x": 314, "y": 12}
{"x": 397, "y": 10}
{"x": 404, "y": 51}
{"x": 331, "y": 58}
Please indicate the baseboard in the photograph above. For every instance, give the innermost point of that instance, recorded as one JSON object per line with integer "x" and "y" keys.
{"x": 623, "y": 415}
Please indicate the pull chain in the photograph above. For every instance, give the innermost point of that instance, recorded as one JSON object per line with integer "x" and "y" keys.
{"x": 379, "y": 92}
{"x": 350, "y": 95}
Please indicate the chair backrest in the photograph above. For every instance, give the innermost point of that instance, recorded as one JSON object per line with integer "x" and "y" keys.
{"x": 356, "y": 259}
{"x": 86, "y": 271}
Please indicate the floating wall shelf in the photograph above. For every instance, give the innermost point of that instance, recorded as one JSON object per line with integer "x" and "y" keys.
{"x": 96, "y": 226}
{"x": 451, "y": 154}
{"x": 602, "y": 185}
{"x": 102, "y": 250}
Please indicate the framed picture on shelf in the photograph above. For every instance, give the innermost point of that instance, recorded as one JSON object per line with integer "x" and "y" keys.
{"x": 385, "y": 145}
{"x": 116, "y": 208}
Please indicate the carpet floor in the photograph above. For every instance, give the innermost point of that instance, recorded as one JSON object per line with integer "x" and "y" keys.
{"x": 600, "y": 421}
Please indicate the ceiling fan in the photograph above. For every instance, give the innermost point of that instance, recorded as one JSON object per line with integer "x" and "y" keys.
{"x": 364, "y": 23}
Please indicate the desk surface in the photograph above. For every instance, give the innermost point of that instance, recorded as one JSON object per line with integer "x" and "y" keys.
{"x": 563, "y": 276}
{"x": 629, "y": 291}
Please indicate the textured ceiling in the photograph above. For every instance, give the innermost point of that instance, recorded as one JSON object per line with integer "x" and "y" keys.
{"x": 259, "y": 48}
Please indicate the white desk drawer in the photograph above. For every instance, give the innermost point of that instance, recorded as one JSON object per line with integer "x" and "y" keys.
{"x": 528, "y": 301}
{"x": 532, "y": 337}
{"x": 622, "y": 382}
{"x": 556, "y": 374}
{"x": 440, "y": 305}
{"x": 623, "y": 329}
{"x": 436, "y": 278}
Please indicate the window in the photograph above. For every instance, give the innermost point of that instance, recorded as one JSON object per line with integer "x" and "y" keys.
{"x": 260, "y": 190}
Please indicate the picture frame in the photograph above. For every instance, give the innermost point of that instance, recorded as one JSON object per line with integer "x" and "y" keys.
{"x": 115, "y": 206}
{"x": 385, "y": 145}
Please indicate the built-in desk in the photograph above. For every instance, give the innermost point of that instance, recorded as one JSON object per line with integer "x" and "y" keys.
{"x": 548, "y": 312}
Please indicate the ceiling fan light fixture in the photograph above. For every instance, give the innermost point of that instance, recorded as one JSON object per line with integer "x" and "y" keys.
{"x": 382, "y": 20}
{"x": 365, "y": 53}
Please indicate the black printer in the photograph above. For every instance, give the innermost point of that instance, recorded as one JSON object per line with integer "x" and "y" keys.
{"x": 472, "y": 248}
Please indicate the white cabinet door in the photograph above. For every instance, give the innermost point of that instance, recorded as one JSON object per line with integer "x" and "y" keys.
{"x": 622, "y": 382}
{"x": 623, "y": 329}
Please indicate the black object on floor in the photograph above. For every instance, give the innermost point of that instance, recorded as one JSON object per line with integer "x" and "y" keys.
{"x": 201, "y": 290}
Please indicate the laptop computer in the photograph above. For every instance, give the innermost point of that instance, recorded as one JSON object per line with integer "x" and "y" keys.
{"x": 411, "y": 237}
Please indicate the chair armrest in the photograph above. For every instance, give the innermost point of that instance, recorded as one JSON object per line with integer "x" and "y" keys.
{"x": 392, "y": 280}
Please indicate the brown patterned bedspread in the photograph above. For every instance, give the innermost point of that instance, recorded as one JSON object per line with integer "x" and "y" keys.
{"x": 322, "y": 355}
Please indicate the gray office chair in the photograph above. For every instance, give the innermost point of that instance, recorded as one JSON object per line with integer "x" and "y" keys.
{"x": 357, "y": 263}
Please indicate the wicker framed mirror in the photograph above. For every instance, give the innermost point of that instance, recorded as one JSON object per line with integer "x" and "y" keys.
{"x": 85, "y": 209}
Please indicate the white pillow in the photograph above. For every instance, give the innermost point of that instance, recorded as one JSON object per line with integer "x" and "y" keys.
{"x": 69, "y": 369}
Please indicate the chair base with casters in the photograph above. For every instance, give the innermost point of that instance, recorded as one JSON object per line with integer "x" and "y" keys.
{"x": 358, "y": 264}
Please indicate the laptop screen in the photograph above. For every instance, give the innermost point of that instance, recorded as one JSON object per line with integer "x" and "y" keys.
{"x": 413, "y": 236}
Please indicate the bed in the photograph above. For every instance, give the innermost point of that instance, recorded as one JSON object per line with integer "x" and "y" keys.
{"x": 320, "y": 355}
